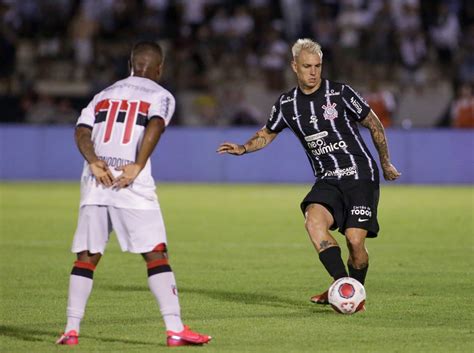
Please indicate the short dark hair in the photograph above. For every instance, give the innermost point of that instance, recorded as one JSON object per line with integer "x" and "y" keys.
{"x": 146, "y": 46}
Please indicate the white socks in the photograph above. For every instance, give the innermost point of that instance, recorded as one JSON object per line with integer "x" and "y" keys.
{"x": 80, "y": 289}
{"x": 163, "y": 287}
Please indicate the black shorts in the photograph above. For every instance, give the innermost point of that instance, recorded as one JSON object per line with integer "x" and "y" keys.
{"x": 352, "y": 203}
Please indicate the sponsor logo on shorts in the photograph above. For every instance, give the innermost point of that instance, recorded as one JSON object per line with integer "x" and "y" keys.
{"x": 361, "y": 211}
{"x": 340, "y": 172}
{"x": 356, "y": 105}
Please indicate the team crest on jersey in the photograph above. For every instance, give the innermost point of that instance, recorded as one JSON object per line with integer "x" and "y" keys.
{"x": 330, "y": 112}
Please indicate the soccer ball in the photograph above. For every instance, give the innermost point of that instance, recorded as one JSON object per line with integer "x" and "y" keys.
{"x": 347, "y": 295}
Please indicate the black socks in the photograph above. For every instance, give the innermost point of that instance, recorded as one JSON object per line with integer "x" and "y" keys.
{"x": 332, "y": 261}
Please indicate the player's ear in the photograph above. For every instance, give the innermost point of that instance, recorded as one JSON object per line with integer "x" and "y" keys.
{"x": 159, "y": 71}
{"x": 293, "y": 65}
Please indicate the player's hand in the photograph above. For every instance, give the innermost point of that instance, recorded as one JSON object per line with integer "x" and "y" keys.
{"x": 390, "y": 172}
{"x": 231, "y": 148}
{"x": 102, "y": 173}
{"x": 129, "y": 173}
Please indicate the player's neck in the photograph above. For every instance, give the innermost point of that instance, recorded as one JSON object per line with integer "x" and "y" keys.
{"x": 309, "y": 90}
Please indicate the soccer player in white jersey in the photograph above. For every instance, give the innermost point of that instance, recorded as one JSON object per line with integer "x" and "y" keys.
{"x": 324, "y": 116}
{"x": 116, "y": 133}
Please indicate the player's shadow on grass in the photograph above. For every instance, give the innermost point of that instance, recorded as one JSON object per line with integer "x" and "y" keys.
{"x": 36, "y": 335}
{"x": 247, "y": 298}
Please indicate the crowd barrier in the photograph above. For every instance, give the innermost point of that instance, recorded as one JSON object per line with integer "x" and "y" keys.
{"x": 424, "y": 156}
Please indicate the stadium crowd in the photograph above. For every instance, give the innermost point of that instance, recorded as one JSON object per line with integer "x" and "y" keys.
{"x": 413, "y": 60}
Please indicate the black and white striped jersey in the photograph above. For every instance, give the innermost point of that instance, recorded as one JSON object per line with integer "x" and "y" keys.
{"x": 325, "y": 122}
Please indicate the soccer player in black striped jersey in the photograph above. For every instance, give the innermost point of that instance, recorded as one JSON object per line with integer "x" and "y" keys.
{"x": 324, "y": 116}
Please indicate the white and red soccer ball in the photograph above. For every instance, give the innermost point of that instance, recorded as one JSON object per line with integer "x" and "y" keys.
{"x": 347, "y": 295}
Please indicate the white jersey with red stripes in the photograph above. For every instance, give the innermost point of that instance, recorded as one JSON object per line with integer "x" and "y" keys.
{"x": 118, "y": 116}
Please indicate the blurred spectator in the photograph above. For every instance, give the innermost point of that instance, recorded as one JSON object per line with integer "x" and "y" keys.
{"x": 413, "y": 51}
{"x": 380, "y": 53}
{"x": 462, "y": 108}
{"x": 83, "y": 29}
{"x": 382, "y": 102}
{"x": 445, "y": 36}
{"x": 274, "y": 60}
{"x": 205, "y": 110}
{"x": 67, "y": 48}
{"x": 465, "y": 70}
{"x": 7, "y": 49}
{"x": 65, "y": 113}
{"x": 41, "y": 111}
{"x": 350, "y": 23}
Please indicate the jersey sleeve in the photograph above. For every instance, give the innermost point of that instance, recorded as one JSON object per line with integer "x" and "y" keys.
{"x": 87, "y": 117}
{"x": 355, "y": 103}
{"x": 163, "y": 106}
{"x": 276, "y": 123}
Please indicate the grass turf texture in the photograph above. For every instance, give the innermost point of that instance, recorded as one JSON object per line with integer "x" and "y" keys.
{"x": 245, "y": 270}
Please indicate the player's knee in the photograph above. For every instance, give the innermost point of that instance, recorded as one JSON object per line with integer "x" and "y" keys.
{"x": 160, "y": 250}
{"x": 157, "y": 260}
{"x": 357, "y": 250}
{"x": 87, "y": 257}
{"x": 355, "y": 243}
{"x": 315, "y": 224}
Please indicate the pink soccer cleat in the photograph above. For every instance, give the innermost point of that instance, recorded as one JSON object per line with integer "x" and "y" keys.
{"x": 320, "y": 298}
{"x": 70, "y": 338}
{"x": 186, "y": 338}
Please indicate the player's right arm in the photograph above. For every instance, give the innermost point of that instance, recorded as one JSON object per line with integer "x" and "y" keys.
{"x": 100, "y": 170}
{"x": 261, "y": 139}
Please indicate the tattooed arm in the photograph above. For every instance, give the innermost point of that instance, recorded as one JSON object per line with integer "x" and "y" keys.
{"x": 262, "y": 138}
{"x": 377, "y": 132}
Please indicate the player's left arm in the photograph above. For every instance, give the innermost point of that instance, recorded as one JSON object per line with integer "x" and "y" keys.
{"x": 153, "y": 132}
{"x": 377, "y": 132}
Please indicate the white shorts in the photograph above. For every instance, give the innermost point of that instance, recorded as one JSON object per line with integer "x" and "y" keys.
{"x": 138, "y": 231}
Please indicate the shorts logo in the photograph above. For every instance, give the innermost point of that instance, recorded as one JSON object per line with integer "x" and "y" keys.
{"x": 330, "y": 112}
{"x": 361, "y": 211}
{"x": 356, "y": 105}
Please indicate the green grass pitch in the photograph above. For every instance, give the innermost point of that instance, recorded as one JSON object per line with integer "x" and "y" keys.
{"x": 245, "y": 270}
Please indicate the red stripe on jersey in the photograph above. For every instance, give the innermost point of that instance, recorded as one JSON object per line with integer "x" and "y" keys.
{"x": 85, "y": 265}
{"x": 111, "y": 116}
{"x": 124, "y": 105}
{"x": 102, "y": 105}
{"x": 144, "y": 106}
{"x": 156, "y": 263}
{"x": 130, "y": 121}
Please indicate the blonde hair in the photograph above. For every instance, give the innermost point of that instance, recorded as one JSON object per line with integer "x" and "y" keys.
{"x": 306, "y": 44}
